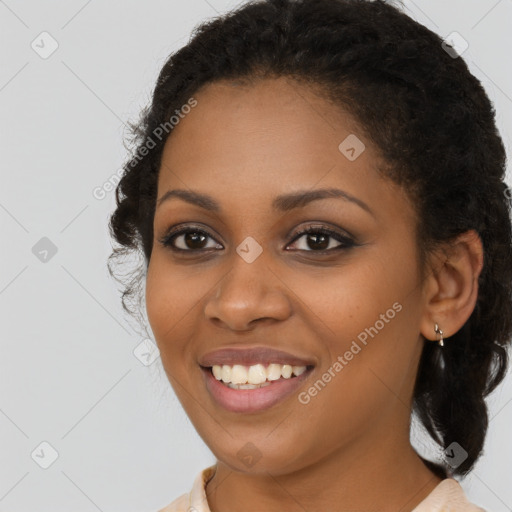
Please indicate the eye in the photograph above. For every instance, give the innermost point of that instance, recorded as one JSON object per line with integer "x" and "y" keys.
{"x": 188, "y": 239}
{"x": 193, "y": 239}
{"x": 317, "y": 238}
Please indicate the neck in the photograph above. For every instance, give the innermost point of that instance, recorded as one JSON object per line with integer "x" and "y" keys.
{"x": 388, "y": 476}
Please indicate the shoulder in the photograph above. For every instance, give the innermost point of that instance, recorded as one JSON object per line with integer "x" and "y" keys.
{"x": 447, "y": 496}
{"x": 195, "y": 500}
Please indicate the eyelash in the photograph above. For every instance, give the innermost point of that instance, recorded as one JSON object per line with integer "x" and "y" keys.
{"x": 173, "y": 233}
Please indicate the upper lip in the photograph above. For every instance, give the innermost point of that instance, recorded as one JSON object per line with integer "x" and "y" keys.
{"x": 253, "y": 355}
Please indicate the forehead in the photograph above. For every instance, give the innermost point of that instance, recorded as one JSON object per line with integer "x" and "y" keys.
{"x": 272, "y": 119}
{"x": 265, "y": 138}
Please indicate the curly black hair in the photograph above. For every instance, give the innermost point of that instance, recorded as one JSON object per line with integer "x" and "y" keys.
{"x": 435, "y": 128}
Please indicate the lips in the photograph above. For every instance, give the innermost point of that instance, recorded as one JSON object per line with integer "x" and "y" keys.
{"x": 252, "y": 401}
{"x": 251, "y": 356}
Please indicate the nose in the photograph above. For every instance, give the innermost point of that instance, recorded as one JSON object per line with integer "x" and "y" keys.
{"x": 247, "y": 293}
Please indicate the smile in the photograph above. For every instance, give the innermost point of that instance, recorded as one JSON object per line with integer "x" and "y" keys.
{"x": 256, "y": 375}
{"x": 254, "y": 388}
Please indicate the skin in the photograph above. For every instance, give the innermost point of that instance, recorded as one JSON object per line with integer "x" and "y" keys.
{"x": 244, "y": 145}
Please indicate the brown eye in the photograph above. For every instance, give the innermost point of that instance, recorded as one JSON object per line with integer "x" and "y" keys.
{"x": 188, "y": 240}
{"x": 321, "y": 239}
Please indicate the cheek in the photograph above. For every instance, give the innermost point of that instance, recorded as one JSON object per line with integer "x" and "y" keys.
{"x": 351, "y": 302}
{"x": 166, "y": 299}
{"x": 158, "y": 297}
{"x": 174, "y": 295}
{"x": 372, "y": 314}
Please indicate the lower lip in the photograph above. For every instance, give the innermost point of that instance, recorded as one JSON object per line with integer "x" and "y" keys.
{"x": 252, "y": 400}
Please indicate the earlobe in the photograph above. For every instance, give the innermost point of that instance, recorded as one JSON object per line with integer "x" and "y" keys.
{"x": 452, "y": 288}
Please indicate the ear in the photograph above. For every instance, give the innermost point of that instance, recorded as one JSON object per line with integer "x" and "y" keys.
{"x": 451, "y": 288}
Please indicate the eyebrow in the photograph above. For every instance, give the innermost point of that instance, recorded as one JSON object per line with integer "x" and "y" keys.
{"x": 282, "y": 203}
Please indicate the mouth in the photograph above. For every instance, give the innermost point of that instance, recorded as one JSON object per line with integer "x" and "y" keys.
{"x": 253, "y": 388}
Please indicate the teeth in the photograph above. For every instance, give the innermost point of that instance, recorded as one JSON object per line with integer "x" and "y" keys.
{"x": 217, "y": 372}
{"x": 247, "y": 386}
{"x": 226, "y": 373}
{"x": 274, "y": 371}
{"x": 286, "y": 371}
{"x": 256, "y": 375}
{"x": 298, "y": 370}
{"x": 239, "y": 375}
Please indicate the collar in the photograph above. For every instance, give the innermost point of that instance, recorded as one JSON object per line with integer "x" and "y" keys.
{"x": 448, "y": 495}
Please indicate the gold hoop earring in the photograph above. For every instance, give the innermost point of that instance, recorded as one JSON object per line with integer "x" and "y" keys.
{"x": 439, "y": 332}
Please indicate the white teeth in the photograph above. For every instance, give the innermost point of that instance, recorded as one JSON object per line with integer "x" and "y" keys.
{"x": 238, "y": 374}
{"x": 286, "y": 371}
{"x": 274, "y": 371}
{"x": 298, "y": 370}
{"x": 251, "y": 377}
{"x": 256, "y": 374}
{"x": 226, "y": 373}
{"x": 247, "y": 386}
{"x": 217, "y": 372}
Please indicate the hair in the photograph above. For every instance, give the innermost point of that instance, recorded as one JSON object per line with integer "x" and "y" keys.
{"x": 432, "y": 123}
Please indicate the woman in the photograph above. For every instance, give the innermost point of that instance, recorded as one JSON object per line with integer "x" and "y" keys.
{"x": 318, "y": 193}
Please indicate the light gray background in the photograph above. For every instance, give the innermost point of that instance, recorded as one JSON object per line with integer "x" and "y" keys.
{"x": 68, "y": 374}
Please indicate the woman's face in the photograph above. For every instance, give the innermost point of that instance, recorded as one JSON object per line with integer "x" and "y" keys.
{"x": 349, "y": 307}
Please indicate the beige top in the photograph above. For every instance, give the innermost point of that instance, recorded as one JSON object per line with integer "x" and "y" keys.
{"x": 447, "y": 496}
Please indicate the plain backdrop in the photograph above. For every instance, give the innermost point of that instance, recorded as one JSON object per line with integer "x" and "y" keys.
{"x": 77, "y": 394}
